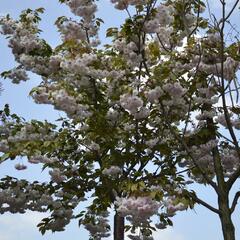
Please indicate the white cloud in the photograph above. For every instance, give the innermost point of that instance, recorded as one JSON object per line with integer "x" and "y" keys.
{"x": 13, "y": 226}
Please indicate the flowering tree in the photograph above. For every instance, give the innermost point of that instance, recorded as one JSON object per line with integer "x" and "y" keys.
{"x": 145, "y": 116}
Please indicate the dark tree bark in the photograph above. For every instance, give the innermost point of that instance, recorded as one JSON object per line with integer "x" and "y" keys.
{"x": 225, "y": 218}
{"x": 118, "y": 227}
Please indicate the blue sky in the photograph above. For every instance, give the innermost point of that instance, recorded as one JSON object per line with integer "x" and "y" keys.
{"x": 198, "y": 224}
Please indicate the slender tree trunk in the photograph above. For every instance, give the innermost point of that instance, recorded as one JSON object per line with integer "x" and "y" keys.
{"x": 226, "y": 220}
{"x": 118, "y": 227}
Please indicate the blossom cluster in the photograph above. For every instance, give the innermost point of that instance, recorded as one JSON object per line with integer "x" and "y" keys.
{"x": 57, "y": 176}
{"x": 171, "y": 96}
{"x": 25, "y": 133}
{"x": 131, "y": 103}
{"x": 134, "y": 105}
{"x": 124, "y": 4}
{"x": 230, "y": 162}
{"x": 72, "y": 30}
{"x": 80, "y": 64}
{"x": 61, "y": 100}
{"x": 99, "y": 226}
{"x": 138, "y": 209}
{"x": 82, "y": 8}
{"x": 17, "y": 75}
{"x": 206, "y": 96}
{"x": 20, "y": 196}
{"x": 62, "y": 218}
{"x": 113, "y": 171}
{"x": 87, "y": 29}
{"x": 172, "y": 207}
{"x": 130, "y": 50}
{"x": 25, "y": 43}
{"x": 203, "y": 154}
{"x": 120, "y": 107}
{"x": 162, "y": 19}
{"x": 221, "y": 119}
{"x": 42, "y": 159}
{"x": 16, "y": 200}
{"x": 230, "y": 67}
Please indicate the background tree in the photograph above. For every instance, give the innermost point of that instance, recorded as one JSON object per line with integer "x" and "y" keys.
{"x": 138, "y": 110}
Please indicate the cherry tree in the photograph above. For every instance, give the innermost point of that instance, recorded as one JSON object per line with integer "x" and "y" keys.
{"x": 146, "y": 116}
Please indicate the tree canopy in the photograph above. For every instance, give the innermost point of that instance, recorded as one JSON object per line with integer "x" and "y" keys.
{"x": 146, "y": 116}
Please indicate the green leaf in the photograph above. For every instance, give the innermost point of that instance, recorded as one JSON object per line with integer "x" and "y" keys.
{"x": 236, "y": 109}
{"x": 7, "y": 110}
{"x": 5, "y": 74}
{"x": 40, "y": 10}
{"x": 4, "y": 157}
{"x": 111, "y": 32}
{"x": 42, "y": 230}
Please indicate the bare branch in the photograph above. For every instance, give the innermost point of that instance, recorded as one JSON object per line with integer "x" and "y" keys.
{"x": 203, "y": 203}
{"x": 235, "y": 200}
{"x": 230, "y": 13}
{"x": 233, "y": 178}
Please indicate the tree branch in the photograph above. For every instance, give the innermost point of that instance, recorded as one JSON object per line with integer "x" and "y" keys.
{"x": 186, "y": 170}
{"x": 235, "y": 200}
{"x": 183, "y": 143}
{"x": 236, "y": 174}
{"x": 230, "y": 13}
{"x": 203, "y": 203}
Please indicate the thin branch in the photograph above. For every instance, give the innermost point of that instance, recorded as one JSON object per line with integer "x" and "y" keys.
{"x": 235, "y": 200}
{"x": 226, "y": 138}
{"x": 197, "y": 24}
{"x": 186, "y": 170}
{"x": 205, "y": 176}
{"x": 203, "y": 203}
{"x": 183, "y": 143}
{"x": 230, "y": 13}
{"x": 236, "y": 174}
{"x": 209, "y": 12}
{"x": 236, "y": 89}
{"x": 95, "y": 92}
{"x": 190, "y": 102}
{"x": 126, "y": 8}
{"x": 162, "y": 44}
{"x": 230, "y": 94}
{"x": 233, "y": 178}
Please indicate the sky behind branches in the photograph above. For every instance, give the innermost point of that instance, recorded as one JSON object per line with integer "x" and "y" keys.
{"x": 195, "y": 224}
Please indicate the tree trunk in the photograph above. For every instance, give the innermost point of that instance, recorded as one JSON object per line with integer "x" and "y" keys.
{"x": 226, "y": 220}
{"x": 118, "y": 227}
